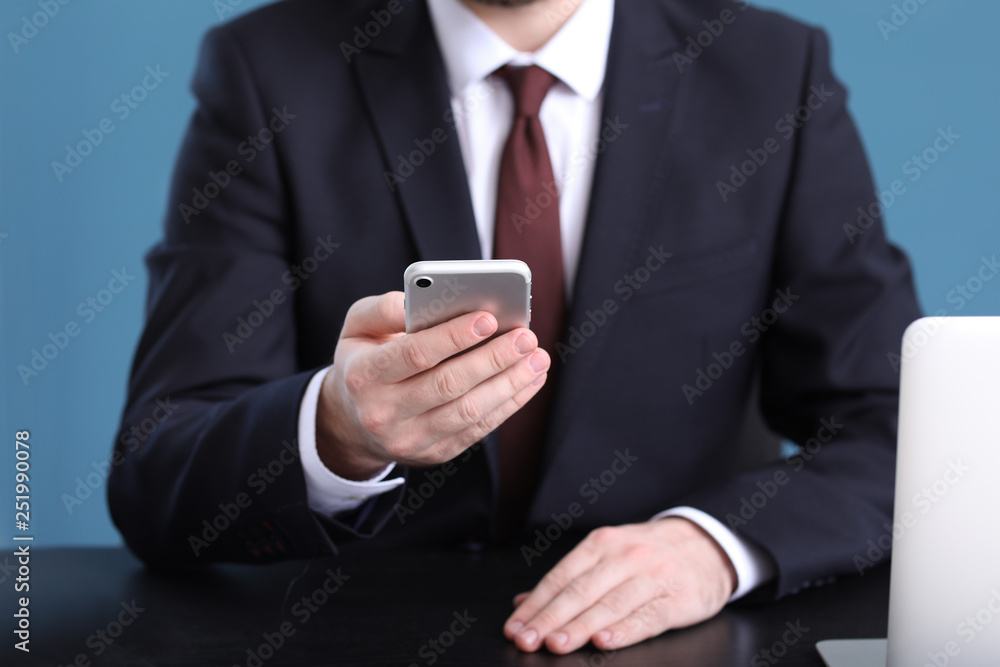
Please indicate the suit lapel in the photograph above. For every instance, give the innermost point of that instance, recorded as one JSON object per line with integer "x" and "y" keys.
{"x": 402, "y": 79}
{"x": 642, "y": 88}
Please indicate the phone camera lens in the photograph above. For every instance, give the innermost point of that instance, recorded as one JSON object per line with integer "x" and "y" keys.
{"x": 424, "y": 282}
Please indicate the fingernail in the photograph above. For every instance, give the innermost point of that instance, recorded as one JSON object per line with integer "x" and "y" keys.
{"x": 603, "y": 637}
{"x": 523, "y": 344}
{"x": 538, "y": 362}
{"x": 483, "y": 327}
{"x": 514, "y": 627}
{"x": 560, "y": 638}
{"x": 529, "y": 637}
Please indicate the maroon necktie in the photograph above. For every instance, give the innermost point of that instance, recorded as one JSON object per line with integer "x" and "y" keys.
{"x": 527, "y": 228}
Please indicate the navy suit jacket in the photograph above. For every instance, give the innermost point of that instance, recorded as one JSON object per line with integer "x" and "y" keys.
{"x": 738, "y": 159}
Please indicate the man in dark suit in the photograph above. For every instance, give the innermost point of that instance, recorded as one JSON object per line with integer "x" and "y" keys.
{"x": 705, "y": 186}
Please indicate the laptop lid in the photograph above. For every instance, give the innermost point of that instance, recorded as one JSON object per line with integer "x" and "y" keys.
{"x": 944, "y": 601}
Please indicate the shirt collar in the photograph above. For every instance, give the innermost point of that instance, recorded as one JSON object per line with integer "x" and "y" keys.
{"x": 576, "y": 55}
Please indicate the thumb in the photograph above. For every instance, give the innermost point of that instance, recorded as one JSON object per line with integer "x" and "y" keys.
{"x": 375, "y": 317}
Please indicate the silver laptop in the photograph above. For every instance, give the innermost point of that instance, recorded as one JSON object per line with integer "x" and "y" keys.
{"x": 944, "y": 599}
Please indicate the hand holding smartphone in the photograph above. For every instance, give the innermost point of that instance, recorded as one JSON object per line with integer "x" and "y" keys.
{"x": 438, "y": 291}
{"x": 422, "y": 400}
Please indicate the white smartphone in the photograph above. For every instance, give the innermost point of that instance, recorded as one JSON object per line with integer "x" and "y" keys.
{"x": 437, "y": 291}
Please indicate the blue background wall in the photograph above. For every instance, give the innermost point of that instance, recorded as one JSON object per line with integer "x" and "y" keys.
{"x": 60, "y": 241}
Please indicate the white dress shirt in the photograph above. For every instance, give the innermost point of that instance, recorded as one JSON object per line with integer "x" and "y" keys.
{"x": 483, "y": 110}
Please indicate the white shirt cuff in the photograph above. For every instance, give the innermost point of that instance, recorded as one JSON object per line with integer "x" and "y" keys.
{"x": 753, "y": 566}
{"x": 326, "y": 492}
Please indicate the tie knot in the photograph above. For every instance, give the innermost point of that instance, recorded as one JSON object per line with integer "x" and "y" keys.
{"x": 529, "y": 85}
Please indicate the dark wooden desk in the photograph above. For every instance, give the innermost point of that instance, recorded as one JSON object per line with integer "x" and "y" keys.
{"x": 389, "y": 606}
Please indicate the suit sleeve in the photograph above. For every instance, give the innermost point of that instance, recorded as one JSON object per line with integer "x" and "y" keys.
{"x": 827, "y": 383}
{"x": 215, "y": 475}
